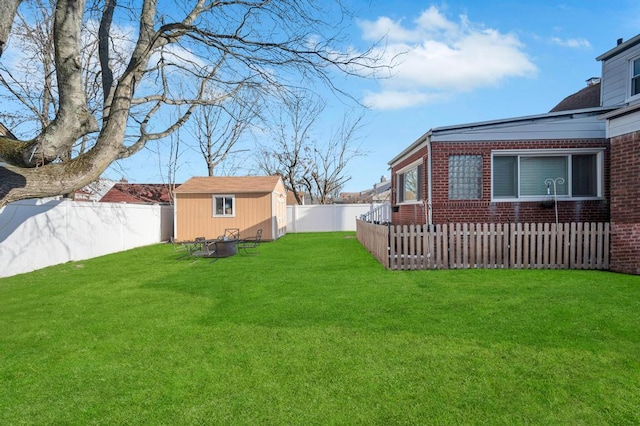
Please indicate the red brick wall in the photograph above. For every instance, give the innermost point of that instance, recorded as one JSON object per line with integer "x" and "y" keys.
{"x": 483, "y": 210}
{"x": 625, "y": 203}
{"x": 409, "y": 213}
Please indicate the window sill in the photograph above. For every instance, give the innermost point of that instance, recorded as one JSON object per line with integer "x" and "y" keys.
{"x": 541, "y": 199}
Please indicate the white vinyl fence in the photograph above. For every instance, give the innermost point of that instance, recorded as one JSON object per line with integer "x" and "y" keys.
{"x": 39, "y": 233}
{"x": 326, "y": 218}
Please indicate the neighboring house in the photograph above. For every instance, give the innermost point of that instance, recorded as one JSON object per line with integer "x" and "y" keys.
{"x": 505, "y": 170}
{"x": 206, "y": 206}
{"x": 4, "y": 131}
{"x": 380, "y": 193}
{"x": 304, "y": 197}
{"x": 361, "y": 197}
{"x": 94, "y": 191}
{"x": 141, "y": 193}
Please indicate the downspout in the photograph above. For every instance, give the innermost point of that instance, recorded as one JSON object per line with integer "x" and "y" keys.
{"x": 430, "y": 182}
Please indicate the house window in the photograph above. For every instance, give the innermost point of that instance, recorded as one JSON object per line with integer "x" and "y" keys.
{"x": 465, "y": 177}
{"x": 523, "y": 175}
{"x": 224, "y": 205}
{"x": 409, "y": 183}
{"x": 635, "y": 77}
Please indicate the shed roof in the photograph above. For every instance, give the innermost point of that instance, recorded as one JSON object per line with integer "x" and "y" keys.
{"x": 228, "y": 184}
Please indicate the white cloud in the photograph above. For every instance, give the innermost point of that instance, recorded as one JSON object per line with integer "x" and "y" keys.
{"x": 435, "y": 57}
{"x": 574, "y": 43}
{"x": 393, "y": 99}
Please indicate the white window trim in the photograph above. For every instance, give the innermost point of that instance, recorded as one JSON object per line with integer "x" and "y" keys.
{"x": 409, "y": 167}
{"x": 404, "y": 170}
{"x": 233, "y": 210}
{"x": 551, "y": 153}
{"x": 631, "y": 97}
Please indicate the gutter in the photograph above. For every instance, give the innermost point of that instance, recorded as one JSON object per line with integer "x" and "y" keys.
{"x": 430, "y": 181}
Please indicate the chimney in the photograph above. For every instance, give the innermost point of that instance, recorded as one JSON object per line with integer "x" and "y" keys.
{"x": 619, "y": 41}
{"x": 592, "y": 81}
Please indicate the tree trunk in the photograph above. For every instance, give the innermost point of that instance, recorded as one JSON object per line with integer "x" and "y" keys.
{"x": 8, "y": 10}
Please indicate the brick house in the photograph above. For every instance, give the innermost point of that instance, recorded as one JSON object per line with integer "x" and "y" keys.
{"x": 584, "y": 153}
{"x": 621, "y": 88}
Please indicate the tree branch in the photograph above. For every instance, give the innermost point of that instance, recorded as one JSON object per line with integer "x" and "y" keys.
{"x": 8, "y": 10}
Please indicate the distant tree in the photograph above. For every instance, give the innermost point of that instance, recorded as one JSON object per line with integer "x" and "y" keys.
{"x": 218, "y": 128}
{"x": 307, "y": 165}
{"x": 328, "y": 172}
{"x": 227, "y": 44}
{"x": 289, "y": 153}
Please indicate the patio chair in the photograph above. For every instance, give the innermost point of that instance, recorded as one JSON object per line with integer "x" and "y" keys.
{"x": 250, "y": 245}
{"x": 208, "y": 249}
{"x": 182, "y": 248}
{"x": 230, "y": 234}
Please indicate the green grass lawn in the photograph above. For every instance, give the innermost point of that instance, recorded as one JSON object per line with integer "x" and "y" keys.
{"x": 314, "y": 331}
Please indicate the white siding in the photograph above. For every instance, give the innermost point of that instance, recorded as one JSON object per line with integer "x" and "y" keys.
{"x": 622, "y": 125}
{"x": 615, "y": 77}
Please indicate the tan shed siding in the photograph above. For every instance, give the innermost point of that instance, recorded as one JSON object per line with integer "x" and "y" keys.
{"x": 195, "y": 216}
{"x": 253, "y": 212}
{"x": 280, "y": 209}
{"x": 191, "y": 212}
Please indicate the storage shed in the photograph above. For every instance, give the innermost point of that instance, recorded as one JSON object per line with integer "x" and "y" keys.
{"x": 206, "y": 206}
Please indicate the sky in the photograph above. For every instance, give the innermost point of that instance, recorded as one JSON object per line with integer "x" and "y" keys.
{"x": 463, "y": 62}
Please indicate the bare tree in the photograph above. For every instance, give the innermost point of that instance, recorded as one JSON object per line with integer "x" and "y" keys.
{"x": 230, "y": 44}
{"x": 8, "y": 9}
{"x": 31, "y": 82}
{"x": 218, "y": 128}
{"x": 290, "y": 153}
{"x": 328, "y": 174}
{"x": 310, "y": 166}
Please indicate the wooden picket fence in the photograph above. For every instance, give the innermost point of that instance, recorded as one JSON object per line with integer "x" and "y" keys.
{"x": 488, "y": 245}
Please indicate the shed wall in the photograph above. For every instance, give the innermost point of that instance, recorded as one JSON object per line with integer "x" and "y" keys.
{"x": 194, "y": 216}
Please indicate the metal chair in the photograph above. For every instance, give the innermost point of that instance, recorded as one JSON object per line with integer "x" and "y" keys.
{"x": 208, "y": 249}
{"x": 230, "y": 234}
{"x": 182, "y": 248}
{"x": 250, "y": 244}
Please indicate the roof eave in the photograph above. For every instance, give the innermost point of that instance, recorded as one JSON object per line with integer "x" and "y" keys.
{"x": 414, "y": 146}
{"x": 523, "y": 118}
{"x": 619, "y": 112}
{"x": 619, "y": 48}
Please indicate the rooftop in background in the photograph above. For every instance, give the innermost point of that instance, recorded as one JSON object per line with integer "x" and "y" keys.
{"x": 6, "y": 132}
{"x": 138, "y": 193}
{"x": 589, "y": 97}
